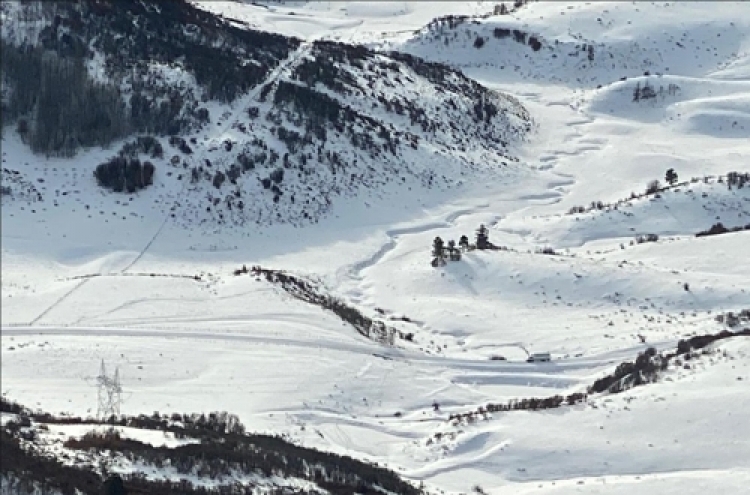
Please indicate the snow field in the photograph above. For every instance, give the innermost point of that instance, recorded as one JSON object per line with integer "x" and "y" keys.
{"x": 232, "y": 343}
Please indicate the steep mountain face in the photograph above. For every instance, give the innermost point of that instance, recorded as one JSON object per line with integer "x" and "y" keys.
{"x": 260, "y": 128}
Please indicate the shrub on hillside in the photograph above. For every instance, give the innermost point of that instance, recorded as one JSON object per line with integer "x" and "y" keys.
{"x": 547, "y": 250}
{"x": 737, "y": 179}
{"x": 640, "y": 239}
{"x": 653, "y": 187}
{"x": 631, "y": 374}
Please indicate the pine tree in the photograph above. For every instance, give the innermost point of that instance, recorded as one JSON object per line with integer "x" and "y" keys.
{"x": 114, "y": 486}
{"x": 671, "y": 176}
{"x": 453, "y": 253}
{"x": 438, "y": 252}
{"x": 483, "y": 239}
{"x": 463, "y": 243}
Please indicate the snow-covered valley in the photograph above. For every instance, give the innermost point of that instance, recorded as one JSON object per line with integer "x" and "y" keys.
{"x": 591, "y": 268}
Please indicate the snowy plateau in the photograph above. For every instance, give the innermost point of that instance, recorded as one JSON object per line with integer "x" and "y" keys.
{"x": 278, "y": 264}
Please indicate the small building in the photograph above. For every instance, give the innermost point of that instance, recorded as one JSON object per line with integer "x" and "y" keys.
{"x": 539, "y": 357}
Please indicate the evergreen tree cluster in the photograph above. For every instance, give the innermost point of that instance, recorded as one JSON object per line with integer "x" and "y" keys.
{"x": 647, "y": 91}
{"x": 58, "y": 107}
{"x": 121, "y": 174}
{"x": 441, "y": 251}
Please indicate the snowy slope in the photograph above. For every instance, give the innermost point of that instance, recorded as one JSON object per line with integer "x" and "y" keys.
{"x": 157, "y": 295}
{"x": 585, "y": 44}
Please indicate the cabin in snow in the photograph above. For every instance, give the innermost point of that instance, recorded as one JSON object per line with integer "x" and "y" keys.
{"x": 539, "y": 357}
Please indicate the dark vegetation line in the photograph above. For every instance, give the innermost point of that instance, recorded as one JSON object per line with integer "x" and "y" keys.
{"x": 225, "y": 449}
{"x": 649, "y": 364}
{"x": 719, "y": 228}
{"x": 646, "y": 368}
{"x": 309, "y": 293}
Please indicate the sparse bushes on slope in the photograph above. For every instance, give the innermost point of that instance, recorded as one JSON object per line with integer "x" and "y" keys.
{"x": 440, "y": 251}
{"x": 632, "y": 374}
{"x": 548, "y": 251}
{"x": 732, "y": 179}
{"x": 646, "y": 368}
{"x": 307, "y": 292}
{"x": 647, "y": 91}
{"x": 528, "y": 404}
{"x": 648, "y": 365}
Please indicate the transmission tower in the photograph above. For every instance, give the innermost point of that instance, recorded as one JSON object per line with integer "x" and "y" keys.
{"x": 109, "y": 394}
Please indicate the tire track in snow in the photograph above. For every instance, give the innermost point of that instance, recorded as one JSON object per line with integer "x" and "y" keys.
{"x": 58, "y": 301}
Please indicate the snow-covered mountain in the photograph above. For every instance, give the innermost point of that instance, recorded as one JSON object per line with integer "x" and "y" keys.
{"x": 611, "y": 179}
{"x": 303, "y": 123}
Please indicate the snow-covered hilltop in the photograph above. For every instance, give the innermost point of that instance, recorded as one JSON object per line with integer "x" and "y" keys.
{"x": 589, "y": 44}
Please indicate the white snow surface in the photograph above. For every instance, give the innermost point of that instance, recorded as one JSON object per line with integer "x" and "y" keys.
{"x": 76, "y": 284}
